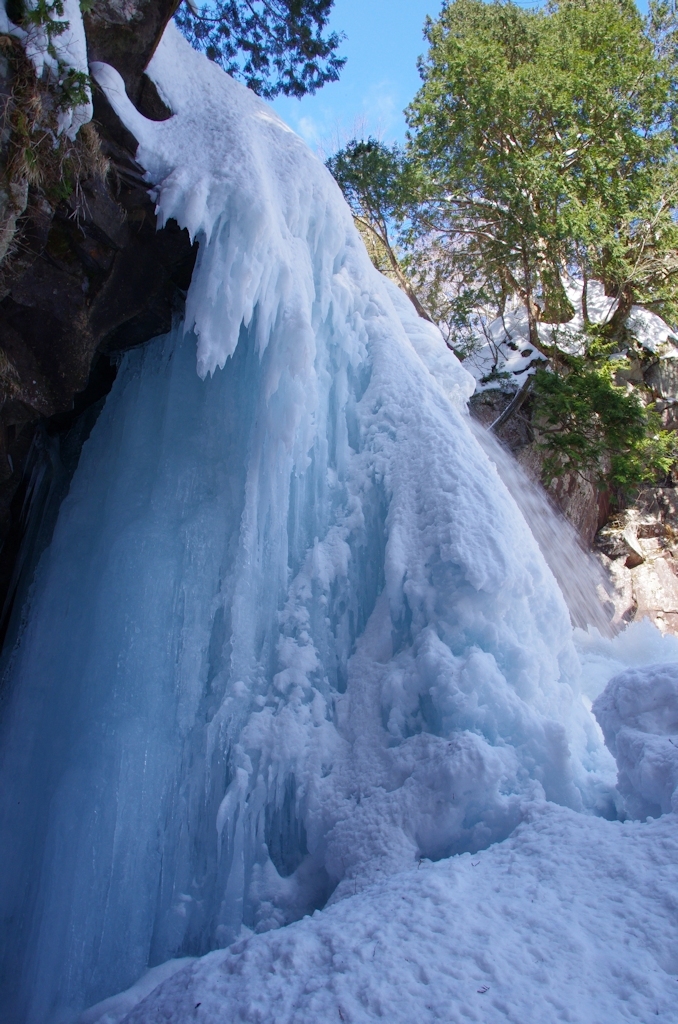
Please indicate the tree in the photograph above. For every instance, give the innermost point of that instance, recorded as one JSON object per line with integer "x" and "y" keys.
{"x": 545, "y": 142}
{"x": 373, "y": 178}
{"x": 542, "y": 144}
{"x": 274, "y": 46}
{"x": 589, "y": 422}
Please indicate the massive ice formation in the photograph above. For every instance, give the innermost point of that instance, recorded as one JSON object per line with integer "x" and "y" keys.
{"x": 291, "y": 632}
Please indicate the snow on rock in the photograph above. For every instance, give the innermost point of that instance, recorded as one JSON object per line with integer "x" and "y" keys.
{"x": 638, "y": 713}
{"x": 571, "y": 919}
{"x": 504, "y": 355}
{"x": 59, "y": 56}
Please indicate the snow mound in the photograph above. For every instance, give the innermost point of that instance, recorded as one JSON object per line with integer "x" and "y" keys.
{"x": 571, "y": 919}
{"x": 638, "y": 713}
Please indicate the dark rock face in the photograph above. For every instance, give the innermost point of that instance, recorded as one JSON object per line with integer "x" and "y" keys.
{"x": 85, "y": 277}
{"x": 125, "y": 33}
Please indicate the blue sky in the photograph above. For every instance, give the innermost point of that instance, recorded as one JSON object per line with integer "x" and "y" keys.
{"x": 383, "y": 40}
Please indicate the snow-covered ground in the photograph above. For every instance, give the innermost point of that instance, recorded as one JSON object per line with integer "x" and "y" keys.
{"x": 571, "y": 919}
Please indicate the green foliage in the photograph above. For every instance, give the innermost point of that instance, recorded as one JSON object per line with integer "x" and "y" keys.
{"x": 371, "y": 176}
{"x": 46, "y": 14}
{"x": 274, "y": 46}
{"x": 589, "y": 422}
{"x": 375, "y": 180}
{"x": 544, "y": 141}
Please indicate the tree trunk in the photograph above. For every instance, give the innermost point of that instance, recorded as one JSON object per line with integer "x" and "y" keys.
{"x": 614, "y": 326}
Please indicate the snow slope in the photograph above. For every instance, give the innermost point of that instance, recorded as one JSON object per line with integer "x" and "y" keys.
{"x": 571, "y": 919}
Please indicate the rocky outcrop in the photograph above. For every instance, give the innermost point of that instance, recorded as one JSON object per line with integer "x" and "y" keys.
{"x": 639, "y": 547}
{"x": 83, "y": 271}
{"x": 576, "y": 495}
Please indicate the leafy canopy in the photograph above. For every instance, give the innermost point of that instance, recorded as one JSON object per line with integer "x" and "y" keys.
{"x": 274, "y": 46}
{"x": 375, "y": 181}
{"x": 545, "y": 141}
{"x": 542, "y": 143}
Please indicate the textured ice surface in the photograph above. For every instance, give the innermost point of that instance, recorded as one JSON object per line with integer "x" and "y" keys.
{"x": 638, "y": 713}
{"x": 571, "y": 919}
{"x": 292, "y": 634}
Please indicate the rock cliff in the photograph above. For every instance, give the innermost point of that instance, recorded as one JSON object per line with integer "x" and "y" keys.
{"x": 83, "y": 271}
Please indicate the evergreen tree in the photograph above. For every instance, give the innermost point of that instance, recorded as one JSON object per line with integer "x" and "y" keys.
{"x": 542, "y": 143}
{"x": 545, "y": 141}
{"x": 374, "y": 180}
{"x": 274, "y": 46}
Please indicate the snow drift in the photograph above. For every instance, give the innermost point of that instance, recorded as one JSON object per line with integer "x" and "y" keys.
{"x": 638, "y": 713}
{"x": 291, "y": 635}
{"x": 571, "y": 919}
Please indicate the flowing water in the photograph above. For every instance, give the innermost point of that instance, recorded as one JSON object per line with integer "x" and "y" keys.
{"x": 581, "y": 578}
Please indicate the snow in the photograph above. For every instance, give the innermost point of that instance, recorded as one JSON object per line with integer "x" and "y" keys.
{"x": 292, "y": 639}
{"x": 571, "y": 919}
{"x": 66, "y": 53}
{"x": 115, "y": 1008}
{"x": 638, "y": 713}
{"x": 504, "y": 356}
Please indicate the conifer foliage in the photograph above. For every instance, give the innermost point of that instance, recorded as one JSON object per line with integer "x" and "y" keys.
{"x": 274, "y": 46}
{"x": 543, "y": 147}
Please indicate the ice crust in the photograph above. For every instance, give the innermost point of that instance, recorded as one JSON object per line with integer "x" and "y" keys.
{"x": 638, "y": 713}
{"x": 291, "y": 635}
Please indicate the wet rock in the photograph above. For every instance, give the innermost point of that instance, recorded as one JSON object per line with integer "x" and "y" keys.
{"x": 639, "y": 548}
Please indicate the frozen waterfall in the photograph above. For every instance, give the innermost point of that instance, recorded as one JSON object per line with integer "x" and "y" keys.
{"x": 291, "y": 632}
